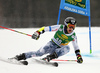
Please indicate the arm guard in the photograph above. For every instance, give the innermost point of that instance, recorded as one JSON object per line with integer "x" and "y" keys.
{"x": 41, "y": 30}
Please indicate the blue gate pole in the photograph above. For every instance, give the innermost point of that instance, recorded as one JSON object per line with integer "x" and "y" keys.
{"x": 59, "y": 16}
{"x": 90, "y": 34}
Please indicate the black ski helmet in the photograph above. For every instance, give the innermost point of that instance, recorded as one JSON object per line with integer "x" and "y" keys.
{"x": 70, "y": 20}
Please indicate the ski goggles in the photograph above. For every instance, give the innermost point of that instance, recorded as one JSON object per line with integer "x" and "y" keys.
{"x": 71, "y": 26}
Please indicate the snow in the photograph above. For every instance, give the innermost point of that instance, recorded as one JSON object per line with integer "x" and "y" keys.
{"x": 12, "y": 43}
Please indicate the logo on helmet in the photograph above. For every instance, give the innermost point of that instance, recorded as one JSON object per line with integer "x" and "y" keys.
{"x": 73, "y": 21}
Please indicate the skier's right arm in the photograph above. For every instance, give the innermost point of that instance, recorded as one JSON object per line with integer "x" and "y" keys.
{"x": 36, "y": 34}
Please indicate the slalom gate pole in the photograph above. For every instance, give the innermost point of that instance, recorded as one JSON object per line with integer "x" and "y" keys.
{"x": 15, "y": 31}
{"x": 63, "y": 60}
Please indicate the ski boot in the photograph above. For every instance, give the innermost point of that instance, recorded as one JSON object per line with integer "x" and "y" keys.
{"x": 50, "y": 57}
{"x": 17, "y": 59}
{"x": 20, "y": 57}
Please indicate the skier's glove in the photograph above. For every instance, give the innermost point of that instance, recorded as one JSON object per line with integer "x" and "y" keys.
{"x": 36, "y": 35}
{"x": 79, "y": 59}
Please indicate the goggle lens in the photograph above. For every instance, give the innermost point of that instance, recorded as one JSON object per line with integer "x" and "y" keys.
{"x": 71, "y": 25}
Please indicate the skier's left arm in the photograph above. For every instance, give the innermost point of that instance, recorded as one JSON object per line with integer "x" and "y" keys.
{"x": 77, "y": 50}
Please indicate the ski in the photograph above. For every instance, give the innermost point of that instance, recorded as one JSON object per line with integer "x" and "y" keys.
{"x": 46, "y": 63}
{"x": 40, "y": 61}
{"x": 13, "y": 61}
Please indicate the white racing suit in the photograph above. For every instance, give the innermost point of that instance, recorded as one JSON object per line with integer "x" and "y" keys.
{"x": 58, "y": 44}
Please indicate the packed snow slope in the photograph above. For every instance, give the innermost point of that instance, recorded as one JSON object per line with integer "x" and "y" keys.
{"x": 12, "y": 43}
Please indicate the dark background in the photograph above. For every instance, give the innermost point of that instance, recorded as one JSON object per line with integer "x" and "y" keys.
{"x": 38, "y": 13}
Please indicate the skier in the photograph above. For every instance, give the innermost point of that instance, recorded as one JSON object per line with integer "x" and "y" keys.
{"x": 58, "y": 45}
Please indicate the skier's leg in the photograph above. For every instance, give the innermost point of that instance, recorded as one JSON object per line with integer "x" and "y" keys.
{"x": 58, "y": 52}
{"x": 48, "y": 48}
{"x": 62, "y": 51}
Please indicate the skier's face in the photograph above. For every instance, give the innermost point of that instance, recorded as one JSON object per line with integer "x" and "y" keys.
{"x": 70, "y": 30}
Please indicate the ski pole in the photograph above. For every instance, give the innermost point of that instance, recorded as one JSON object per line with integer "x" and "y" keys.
{"x": 63, "y": 60}
{"x": 15, "y": 31}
